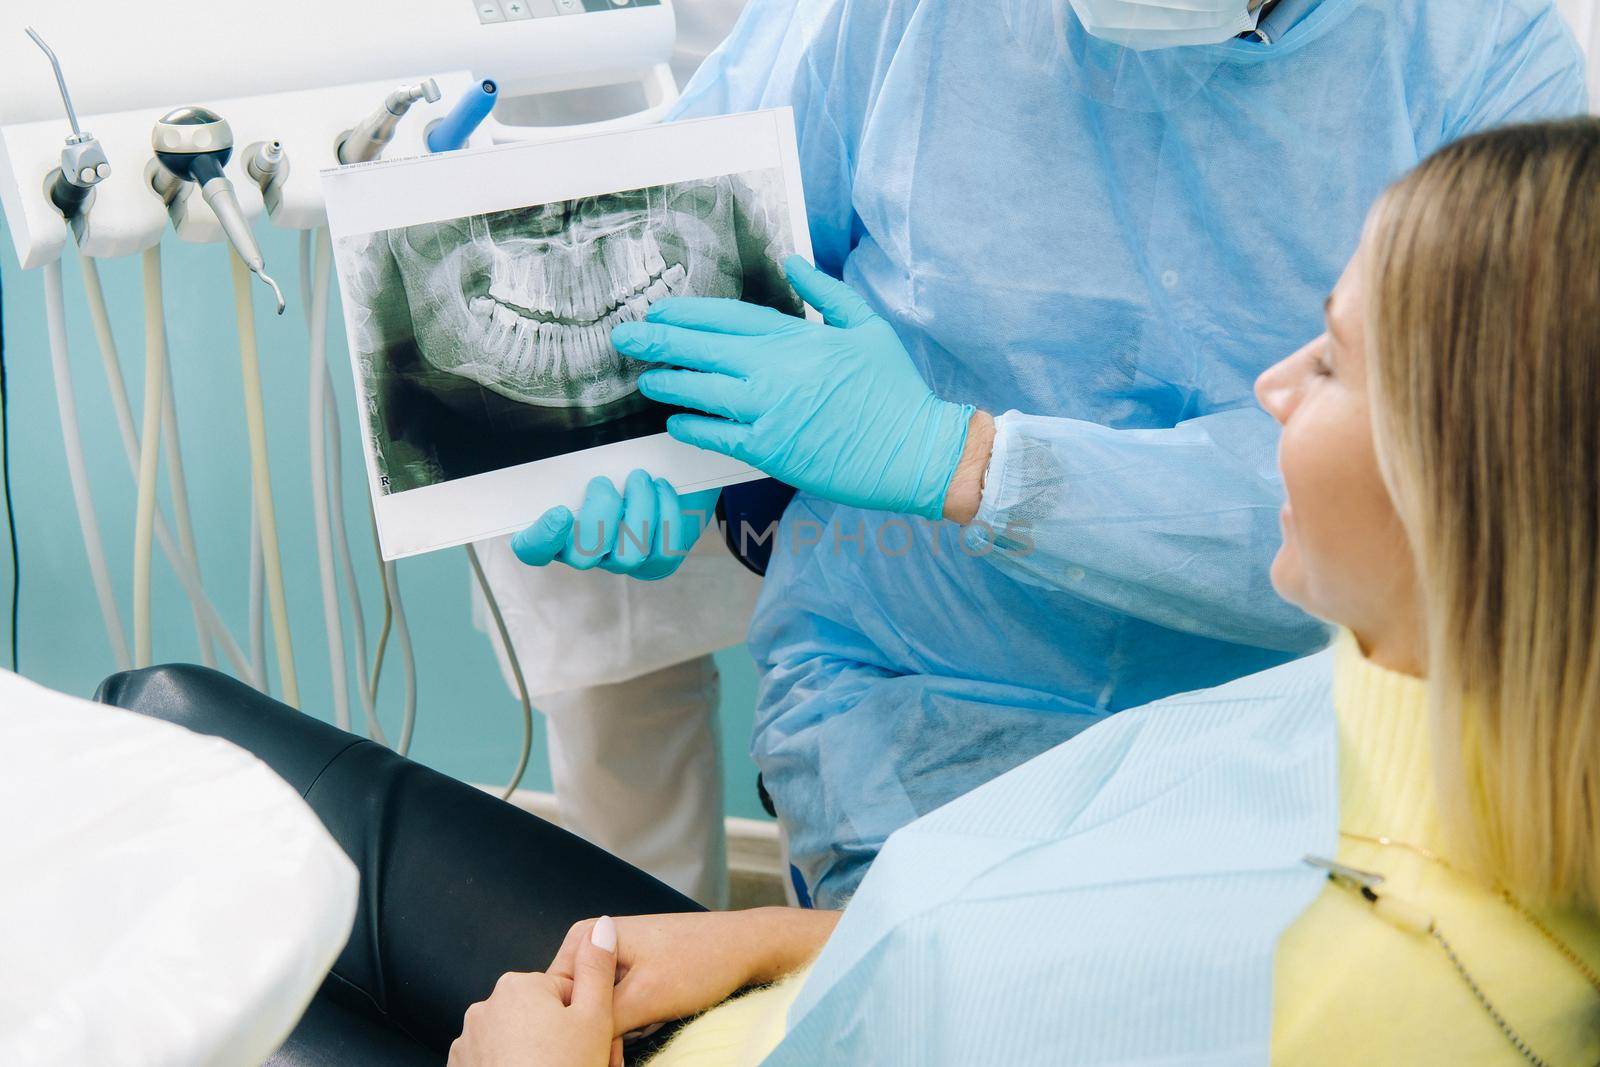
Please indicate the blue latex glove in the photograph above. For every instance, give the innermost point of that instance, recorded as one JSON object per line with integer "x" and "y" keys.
{"x": 644, "y": 531}
{"x": 836, "y": 410}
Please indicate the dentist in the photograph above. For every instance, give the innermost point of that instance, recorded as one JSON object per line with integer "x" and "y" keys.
{"x": 1034, "y": 488}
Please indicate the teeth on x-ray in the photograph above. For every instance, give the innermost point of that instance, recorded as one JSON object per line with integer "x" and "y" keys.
{"x": 484, "y": 341}
{"x": 542, "y": 325}
{"x": 623, "y": 268}
{"x": 523, "y": 302}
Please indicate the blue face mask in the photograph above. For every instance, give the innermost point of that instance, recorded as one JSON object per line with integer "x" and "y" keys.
{"x": 1146, "y": 24}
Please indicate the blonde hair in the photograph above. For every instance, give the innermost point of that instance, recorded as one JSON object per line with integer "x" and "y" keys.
{"x": 1483, "y": 317}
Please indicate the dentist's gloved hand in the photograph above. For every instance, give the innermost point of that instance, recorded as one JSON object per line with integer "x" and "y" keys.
{"x": 836, "y": 410}
{"x": 644, "y": 531}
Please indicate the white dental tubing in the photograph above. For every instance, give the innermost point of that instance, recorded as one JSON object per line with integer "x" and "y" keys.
{"x": 261, "y": 479}
{"x": 327, "y": 487}
{"x": 155, "y": 370}
{"x": 516, "y": 672}
{"x": 178, "y": 487}
{"x": 182, "y": 565}
{"x": 77, "y": 470}
{"x": 341, "y": 542}
{"x": 118, "y": 390}
{"x": 394, "y": 616}
{"x": 258, "y": 614}
{"x": 317, "y": 324}
{"x": 408, "y": 661}
{"x": 328, "y": 508}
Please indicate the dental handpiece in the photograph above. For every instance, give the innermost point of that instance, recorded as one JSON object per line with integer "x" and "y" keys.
{"x": 267, "y": 164}
{"x": 83, "y": 161}
{"x": 368, "y": 138}
{"x": 193, "y": 144}
{"x": 452, "y": 131}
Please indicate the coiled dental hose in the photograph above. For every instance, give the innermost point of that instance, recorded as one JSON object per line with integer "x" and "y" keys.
{"x": 516, "y": 672}
{"x": 183, "y": 562}
{"x": 261, "y": 479}
{"x": 77, "y": 470}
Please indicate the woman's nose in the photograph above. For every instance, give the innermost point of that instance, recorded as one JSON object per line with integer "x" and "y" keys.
{"x": 1277, "y": 388}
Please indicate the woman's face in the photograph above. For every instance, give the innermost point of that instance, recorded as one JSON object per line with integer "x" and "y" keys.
{"x": 1344, "y": 557}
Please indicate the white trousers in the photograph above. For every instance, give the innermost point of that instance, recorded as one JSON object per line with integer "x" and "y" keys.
{"x": 637, "y": 767}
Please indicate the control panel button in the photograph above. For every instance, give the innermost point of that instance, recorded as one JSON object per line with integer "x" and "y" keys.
{"x": 569, "y": 7}
{"x": 516, "y": 10}
{"x": 489, "y": 11}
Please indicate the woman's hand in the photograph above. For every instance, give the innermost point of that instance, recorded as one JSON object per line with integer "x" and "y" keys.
{"x": 674, "y": 966}
{"x": 548, "y": 1020}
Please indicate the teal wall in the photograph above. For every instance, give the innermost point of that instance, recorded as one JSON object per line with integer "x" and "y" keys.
{"x": 468, "y": 724}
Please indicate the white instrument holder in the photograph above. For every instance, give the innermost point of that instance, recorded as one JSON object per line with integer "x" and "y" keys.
{"x": 286, "y": 59}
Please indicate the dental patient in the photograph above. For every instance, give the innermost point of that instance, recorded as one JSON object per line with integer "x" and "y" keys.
{"x": 1385, "y": 853}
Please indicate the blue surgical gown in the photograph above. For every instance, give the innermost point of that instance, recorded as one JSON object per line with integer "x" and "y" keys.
{"x": 1107, "y": 247}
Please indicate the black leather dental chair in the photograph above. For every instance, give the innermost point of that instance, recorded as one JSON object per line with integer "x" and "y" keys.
{"x": 457, "y": 886}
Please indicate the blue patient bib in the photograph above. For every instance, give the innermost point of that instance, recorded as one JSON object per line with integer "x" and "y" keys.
{"x": 1117, "y": 900}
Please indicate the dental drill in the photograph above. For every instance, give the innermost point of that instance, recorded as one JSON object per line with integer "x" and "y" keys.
{"x": 193, "y": 144}
{"x": 367, "y": 139}
{"x": 70, "y": 187}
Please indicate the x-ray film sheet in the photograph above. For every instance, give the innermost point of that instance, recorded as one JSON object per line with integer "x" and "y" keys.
{"x": 480, "y": 289}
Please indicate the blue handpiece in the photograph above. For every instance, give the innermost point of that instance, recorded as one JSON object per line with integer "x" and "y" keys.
{"x": 452, "y": 131}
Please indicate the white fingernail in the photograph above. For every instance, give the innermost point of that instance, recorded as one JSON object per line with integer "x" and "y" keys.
{"x": 605, "y": 934}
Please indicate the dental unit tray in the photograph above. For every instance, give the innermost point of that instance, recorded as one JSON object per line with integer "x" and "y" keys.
{"x": 300, "y": 72}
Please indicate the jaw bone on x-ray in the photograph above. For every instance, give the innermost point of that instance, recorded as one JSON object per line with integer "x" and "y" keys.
{"x": 484, "y": 341}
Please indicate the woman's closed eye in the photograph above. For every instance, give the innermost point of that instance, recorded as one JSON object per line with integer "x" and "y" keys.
{"x": 1322, "y": 359}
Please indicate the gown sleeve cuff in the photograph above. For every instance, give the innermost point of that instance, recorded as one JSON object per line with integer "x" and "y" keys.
{"x": 987, "y": 530}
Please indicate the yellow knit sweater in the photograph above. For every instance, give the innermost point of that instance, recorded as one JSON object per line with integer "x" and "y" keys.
{"x": 1350, "y": 988}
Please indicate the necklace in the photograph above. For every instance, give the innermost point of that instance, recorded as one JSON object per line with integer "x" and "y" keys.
{"x": 1409, "y": 917}
{"x": 1503, "y": 893}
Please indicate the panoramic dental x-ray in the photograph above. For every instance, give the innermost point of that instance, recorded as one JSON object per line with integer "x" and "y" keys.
{"x": 484, "y": 342}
